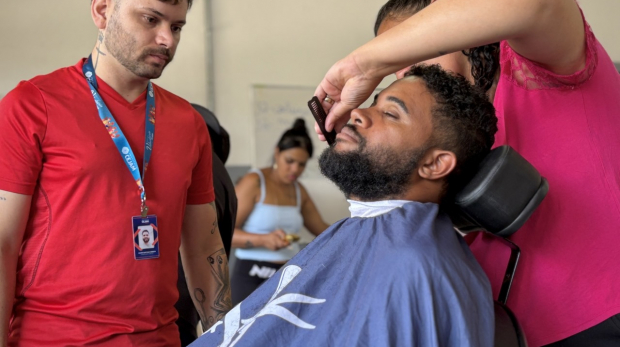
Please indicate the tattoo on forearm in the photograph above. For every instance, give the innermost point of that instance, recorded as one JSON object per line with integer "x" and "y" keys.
{"x": 249, "y": 244}
{"x": 214, "y": 226}
{"x": 200, "y": 297}
{"x": 99, "y": 52}
{"x": 219, "y": 267}
{"x": 2, "y": 198}
{"x": 442, "y": 53}
{"x": 222, "y": 301}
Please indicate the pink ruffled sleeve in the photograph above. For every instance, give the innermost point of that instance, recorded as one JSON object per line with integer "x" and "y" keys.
{"x": 530, "y": 75}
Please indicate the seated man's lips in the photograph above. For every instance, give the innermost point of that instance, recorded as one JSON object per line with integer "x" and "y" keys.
{"x": 348, "y": 135}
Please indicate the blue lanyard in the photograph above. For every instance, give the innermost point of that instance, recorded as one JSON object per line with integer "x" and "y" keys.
{"x": 117, "y": 134}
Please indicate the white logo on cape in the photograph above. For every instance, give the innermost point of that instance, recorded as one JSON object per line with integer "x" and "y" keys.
{"x": 235, "y": 327}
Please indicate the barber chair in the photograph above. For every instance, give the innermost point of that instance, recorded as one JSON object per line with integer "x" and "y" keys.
{"x": 499, "y": 200}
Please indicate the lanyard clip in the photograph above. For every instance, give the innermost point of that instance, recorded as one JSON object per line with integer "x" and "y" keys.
{"x": 143, "y": 208}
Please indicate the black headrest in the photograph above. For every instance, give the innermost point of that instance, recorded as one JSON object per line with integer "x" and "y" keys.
{"x": 220, "y": 140}
{"x": 501, "y": 196}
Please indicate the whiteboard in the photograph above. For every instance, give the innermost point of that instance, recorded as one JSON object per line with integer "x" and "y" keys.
{"x": 275, "y": 110}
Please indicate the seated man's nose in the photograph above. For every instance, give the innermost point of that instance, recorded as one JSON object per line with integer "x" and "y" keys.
{"x": 356, "y": 116}
{"x": 361, "y": 118}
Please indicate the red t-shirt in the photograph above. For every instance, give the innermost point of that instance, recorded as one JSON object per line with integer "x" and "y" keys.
{"x": 77, "y": 280}
{"x": 568, "y": 127}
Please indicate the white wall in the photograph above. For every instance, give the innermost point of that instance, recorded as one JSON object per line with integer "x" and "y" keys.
{"x": 279, "y": 42}
{"x": 39, "y": 36}
{"x": 604, "y": 18}
{"x": 42, "y": 36}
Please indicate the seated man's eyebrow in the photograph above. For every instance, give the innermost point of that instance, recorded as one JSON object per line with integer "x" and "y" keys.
{"x": 399, "y": 102}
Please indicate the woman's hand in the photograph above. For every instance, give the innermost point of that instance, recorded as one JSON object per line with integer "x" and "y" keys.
{"x": 349, "y": 87}
{"x": 275, "y": 240}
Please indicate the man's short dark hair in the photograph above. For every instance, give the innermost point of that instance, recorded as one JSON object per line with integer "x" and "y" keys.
{"x": 463, "y": 120}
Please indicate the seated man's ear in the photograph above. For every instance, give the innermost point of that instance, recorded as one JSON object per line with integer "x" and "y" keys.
{"x": 436, "y": 164}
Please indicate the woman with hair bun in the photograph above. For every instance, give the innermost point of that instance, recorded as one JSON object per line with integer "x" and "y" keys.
{"x": 272, "y": 208}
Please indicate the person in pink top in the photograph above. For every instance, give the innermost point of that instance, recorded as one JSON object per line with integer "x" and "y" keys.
{"x": 557, "y": 95}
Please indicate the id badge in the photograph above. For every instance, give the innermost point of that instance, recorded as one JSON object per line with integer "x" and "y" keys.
{"x": 145, "y": 237}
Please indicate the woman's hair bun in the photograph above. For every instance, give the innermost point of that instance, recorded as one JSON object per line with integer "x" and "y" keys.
{"x": 299, "y": 126}
{"x": 297, "y": 136}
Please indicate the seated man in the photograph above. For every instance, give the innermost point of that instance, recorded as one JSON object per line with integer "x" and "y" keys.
{"x": 395, "y": 273}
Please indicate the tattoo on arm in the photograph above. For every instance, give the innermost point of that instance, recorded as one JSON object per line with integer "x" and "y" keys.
{"x": 2, "y": 198}
{"x": 99, "y": 52}
{"x": 219, "y": 267}
{"x": 200, "y": 297}
{"x": 249, "y": 244}
{"x": 222, "y": 301}
{"x": 214, "y": 226}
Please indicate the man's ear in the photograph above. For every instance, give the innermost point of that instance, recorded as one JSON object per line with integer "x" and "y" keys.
{"x": 99, "y": 10}
{"x": 437, "y": 164}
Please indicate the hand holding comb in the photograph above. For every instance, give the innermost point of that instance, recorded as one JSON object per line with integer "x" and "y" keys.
{"x": 320, "y": 116}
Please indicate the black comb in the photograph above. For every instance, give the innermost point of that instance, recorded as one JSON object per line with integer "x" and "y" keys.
{"x": 319, "y": 115}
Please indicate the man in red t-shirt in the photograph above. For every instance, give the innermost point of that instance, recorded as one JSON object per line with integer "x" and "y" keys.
{"x": 95, "y": 159}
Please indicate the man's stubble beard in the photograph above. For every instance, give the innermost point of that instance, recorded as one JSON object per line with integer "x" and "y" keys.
{"x": 370, "y": 174}
{"x": 120, "y": 44}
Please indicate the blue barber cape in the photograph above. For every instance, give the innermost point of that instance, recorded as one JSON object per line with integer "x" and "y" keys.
{"x": 404, "y": 278}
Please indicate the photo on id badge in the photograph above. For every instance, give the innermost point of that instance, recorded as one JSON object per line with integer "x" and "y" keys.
{"x": 145, "y": 237}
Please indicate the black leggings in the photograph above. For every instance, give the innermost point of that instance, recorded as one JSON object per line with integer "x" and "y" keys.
{"x": 605, "y": 334}
{"x": 249, "y": 275}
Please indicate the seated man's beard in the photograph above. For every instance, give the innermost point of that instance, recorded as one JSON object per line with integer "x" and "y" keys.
{"x": 370, "y": 174}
